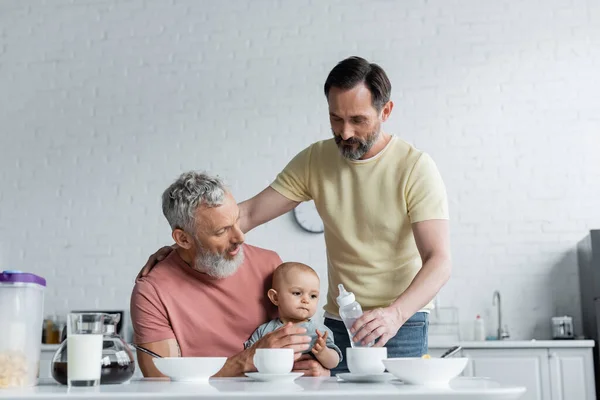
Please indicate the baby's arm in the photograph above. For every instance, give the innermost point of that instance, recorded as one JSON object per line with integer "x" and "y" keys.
{"x": 328, "y": 358}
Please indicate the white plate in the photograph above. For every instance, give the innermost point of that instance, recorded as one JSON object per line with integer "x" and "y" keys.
{"x": 350, "y": 377}
{"x": 274, "y": 377}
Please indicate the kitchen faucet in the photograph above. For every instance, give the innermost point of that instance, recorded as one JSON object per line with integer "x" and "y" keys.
{"x": 502, "y": 333}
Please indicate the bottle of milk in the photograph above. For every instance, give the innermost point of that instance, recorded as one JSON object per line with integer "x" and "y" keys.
{"x": 350, "y": 311}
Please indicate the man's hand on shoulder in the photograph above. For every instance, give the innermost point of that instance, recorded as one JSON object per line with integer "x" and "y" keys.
{"x": 154, "y": 259}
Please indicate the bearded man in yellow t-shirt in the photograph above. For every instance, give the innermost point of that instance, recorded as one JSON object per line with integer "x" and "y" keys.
{"x": 385, "y": 213}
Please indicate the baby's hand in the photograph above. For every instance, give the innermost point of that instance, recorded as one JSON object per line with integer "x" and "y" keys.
{"x": 320, "y": 344}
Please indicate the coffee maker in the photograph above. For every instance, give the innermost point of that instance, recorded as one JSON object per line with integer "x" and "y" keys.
{"x": 562, "y": 328}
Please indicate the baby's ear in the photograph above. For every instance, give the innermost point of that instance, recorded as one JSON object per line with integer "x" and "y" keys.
{"x": 272, "y": 293}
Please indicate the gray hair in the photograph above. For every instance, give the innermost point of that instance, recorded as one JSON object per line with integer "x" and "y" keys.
{"x": 191, "y": 190}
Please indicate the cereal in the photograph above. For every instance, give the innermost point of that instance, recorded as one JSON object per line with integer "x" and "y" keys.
{"x": 13, "y": 369}
{"x": 427, "y": 356}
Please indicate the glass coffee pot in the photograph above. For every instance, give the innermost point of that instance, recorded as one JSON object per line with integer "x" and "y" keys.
{"x": 118, "y": 364}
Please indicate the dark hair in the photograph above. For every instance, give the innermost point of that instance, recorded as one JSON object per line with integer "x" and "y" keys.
{"x": 355, "y": 70}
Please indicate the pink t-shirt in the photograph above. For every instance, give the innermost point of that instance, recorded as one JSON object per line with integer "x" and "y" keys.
{"x": 207, "y": 316}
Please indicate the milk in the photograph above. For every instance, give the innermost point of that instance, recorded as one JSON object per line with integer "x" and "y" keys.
{"x": 84, "y": 355}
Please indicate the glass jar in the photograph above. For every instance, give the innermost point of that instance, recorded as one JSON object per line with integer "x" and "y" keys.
{"x": 118, "y": 364}
{"x": 21, "y": 318}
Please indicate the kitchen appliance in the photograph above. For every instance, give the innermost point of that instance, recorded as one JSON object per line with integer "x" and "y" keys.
{"x": 562, "y": 328}
{"x": 21, "y": 318}
{"x": 118, "y": 364}
{"x": 588, "y": 258}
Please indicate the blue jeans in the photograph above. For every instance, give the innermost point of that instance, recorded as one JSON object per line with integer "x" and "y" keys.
{"x": 410, "y": 341}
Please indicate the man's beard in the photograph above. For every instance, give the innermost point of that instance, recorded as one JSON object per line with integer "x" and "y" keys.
{"x": 347, "y": 149}
{"x": 217, "y": 265}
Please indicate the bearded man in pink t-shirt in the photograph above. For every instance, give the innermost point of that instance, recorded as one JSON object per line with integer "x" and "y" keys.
{"x": 209, "y": 294}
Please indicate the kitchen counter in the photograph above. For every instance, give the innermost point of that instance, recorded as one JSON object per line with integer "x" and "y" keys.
{"x": 513, "y": 344}
{"x": 488, "y": 344}
{"x": 301, "y": 388}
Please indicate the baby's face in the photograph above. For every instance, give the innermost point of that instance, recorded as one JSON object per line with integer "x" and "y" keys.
{"x": 298, "y": 295}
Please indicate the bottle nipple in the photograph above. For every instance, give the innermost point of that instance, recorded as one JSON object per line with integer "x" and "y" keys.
{"x": 345, "y": 297}
{"x": 342, "y": 290}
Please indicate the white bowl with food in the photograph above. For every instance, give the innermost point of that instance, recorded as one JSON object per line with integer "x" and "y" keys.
{"x": 426, "y": 371}
{"x": 189, "y": 369}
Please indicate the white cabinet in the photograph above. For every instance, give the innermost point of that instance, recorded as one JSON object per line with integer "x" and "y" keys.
{"x": 518, "y": 367}
{"x": 571, "y": 374}
{"x": 547, "y": 373}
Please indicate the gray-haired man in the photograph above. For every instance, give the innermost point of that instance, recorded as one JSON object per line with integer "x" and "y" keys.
{"x": 209, "y": 295}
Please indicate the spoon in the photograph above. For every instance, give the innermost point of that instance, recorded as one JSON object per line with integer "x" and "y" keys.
{"x": 144, "y": 350}
{"x": 451, "y": 351}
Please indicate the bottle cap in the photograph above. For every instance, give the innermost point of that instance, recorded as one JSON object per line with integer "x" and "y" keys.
{"x": 18, "y": 277}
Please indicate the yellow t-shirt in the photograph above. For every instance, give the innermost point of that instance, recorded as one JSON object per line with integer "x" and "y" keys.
{"x": 367, "y": 207}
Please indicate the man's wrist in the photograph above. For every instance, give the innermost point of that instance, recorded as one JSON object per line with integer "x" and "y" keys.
{"x": 236, "y": 365}
{"x": 399, "y": 311}
{"x": 247, "y": 359}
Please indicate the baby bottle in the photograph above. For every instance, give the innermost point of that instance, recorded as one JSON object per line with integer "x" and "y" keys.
{"x": 350, "y": 311}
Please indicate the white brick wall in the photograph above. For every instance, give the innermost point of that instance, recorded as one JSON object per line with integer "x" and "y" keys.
{"x": 104, "y": 103}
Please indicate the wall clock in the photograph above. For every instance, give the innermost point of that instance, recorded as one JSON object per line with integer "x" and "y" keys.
{"x": 308, "y": 218}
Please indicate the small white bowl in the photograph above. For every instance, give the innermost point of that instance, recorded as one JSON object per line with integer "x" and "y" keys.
{"x": 426, "y": 371}
{"x": 189, "y": 369}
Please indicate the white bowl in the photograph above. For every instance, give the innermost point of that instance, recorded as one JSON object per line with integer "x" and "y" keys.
{"x": 189, "y": 369}
{"x": 426, "y": 371}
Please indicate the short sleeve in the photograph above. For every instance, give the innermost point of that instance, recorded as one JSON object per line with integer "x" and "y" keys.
{"x": 292, "y": 182}
{"x": 330, "y": 342}
{"x": 425, "y": 192}
{"x": 148, "y": 315}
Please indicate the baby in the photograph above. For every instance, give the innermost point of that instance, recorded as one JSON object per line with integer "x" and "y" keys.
{"x": 295, "y": 292}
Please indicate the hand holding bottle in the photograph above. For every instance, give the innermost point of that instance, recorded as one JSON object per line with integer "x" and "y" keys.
{"x": 350, "y": 312}
{"x": 381, "y": 323}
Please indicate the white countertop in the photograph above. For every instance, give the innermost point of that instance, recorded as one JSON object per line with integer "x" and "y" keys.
{"x": 488, "y": 344}
{"x": 512, "y": 344}
{"x": 301, "y": 388}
